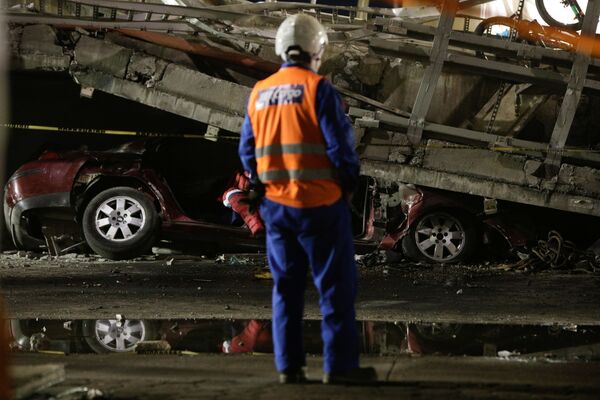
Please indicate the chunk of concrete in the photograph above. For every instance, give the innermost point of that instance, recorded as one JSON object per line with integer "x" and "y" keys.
{"x": 531, "y": 169}
{"x": 580, "y": 180}
{"x": 145, "y": 69}
{"x": 40, "y": 39}
{"x": 370, "y": 70}
{"x": 40, "y": 62}
{"x": 497, "y": 166}
{"x": 34, "y": 48}
{"x": 151, "y": 49}
{"x": 376, "y": 153}
{"x": 102, "y": 56}
{"x": 204, "y": 89}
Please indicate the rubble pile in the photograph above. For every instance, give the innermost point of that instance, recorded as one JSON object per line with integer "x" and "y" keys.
{"x": 556, "y": 253}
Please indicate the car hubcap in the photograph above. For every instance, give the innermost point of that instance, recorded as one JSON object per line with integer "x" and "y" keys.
{"x": 440, "y": 237}
{"x": 119, "y": 335}
{"x": 120, "y": 218}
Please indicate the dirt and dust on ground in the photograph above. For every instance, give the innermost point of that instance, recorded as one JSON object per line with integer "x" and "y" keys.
{"x": 238, "y": 286}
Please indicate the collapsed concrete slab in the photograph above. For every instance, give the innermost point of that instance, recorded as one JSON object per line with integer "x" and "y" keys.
{"x": 133, "y": 74}
{"x": 37, "y": 49}
{"x": 99, "y": 55}
{"x": 157, "y": 83}
{"x": 205, "y": 89}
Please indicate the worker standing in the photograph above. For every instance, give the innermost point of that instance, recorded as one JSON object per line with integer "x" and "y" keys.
{"x": 298, "y": 147}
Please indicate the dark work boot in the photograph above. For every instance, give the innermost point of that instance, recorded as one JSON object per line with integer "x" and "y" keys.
{"x": 355, "y": 376}
{"x": 293, "y": 376}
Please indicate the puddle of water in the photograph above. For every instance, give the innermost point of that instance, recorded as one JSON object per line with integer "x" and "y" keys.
{"x": 240, "y": 336}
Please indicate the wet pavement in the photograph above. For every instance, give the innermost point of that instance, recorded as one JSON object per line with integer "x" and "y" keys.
{"x": 153, "y": 376}
{"x": 175, "y": 359}
{"x": 186, "y": 336}
{"x": 174, "y": 327}
{"x": 192, "y": 287}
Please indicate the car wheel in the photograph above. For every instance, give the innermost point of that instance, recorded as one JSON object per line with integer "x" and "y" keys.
{"x": 441, "y": 237}
{"x": 120, "y": 223}
{"x": 116, "y": 336}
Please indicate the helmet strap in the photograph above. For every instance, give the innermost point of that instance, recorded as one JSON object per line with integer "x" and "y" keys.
{"x": 297, "y": 55}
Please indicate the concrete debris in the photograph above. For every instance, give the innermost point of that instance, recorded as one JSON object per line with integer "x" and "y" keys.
{"x": 153, "y": 346}
{"x": 164, "y": 251}
{"x": 145, "y": 69}
{"x": 40, "y": 39}
{"x": 204, "y": 89}
{"x": 507, "y": 354}
{"x": 370, "y": 70}
{"x": 37, "y": 50}
{"x": 370, "y": 259}
{"x": 556, "y": 254}
{"x": 99, "y": 55}
{"x": 241, "y": 259}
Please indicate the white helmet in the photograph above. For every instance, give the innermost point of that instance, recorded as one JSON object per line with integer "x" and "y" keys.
{"x": 303, "y": 33}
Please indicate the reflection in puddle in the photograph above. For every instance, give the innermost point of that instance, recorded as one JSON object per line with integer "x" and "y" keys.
{"x": 241, "y": 336}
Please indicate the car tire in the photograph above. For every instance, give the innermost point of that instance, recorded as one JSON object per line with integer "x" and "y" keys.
{"x": 441, "y": 237}
{"x": 120, "y": 223}
{"x": 107, "y": 336}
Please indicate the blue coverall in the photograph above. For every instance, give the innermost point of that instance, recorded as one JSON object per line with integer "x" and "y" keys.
{"x": 320, "y": 237}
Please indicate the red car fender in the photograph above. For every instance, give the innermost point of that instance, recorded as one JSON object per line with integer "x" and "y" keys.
{"x": 155, "y": 185}
{"x": 41, "y": 177}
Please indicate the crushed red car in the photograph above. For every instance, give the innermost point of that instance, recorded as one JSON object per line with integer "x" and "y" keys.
{"x": 121, "y": 201}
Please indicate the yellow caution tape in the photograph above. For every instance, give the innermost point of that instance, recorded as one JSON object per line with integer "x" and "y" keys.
{"x": 188, "y": 353}
{"x": 233, "y": 137}
{"x": 52, "y": 352}
{"x": 263, "y": 275}
{"x": 95, "y": 131}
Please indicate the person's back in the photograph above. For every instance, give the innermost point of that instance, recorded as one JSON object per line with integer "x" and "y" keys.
{"x": 297, "y": 145}
{"x": 290, "y": 149}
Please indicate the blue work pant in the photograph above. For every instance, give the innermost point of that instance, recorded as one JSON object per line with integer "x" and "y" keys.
{"x": 322, "y": 238}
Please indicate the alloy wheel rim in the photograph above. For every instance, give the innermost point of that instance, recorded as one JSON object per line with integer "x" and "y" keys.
{"x": 120, "y": 218}
{"x": 119, "y": 335}
{"x": 440, "y": 237}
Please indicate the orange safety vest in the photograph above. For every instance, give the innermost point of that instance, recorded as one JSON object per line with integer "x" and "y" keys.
{"x": 291, "y": 157}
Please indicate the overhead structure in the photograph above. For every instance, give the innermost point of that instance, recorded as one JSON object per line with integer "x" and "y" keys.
{"x": 475, "y": 155}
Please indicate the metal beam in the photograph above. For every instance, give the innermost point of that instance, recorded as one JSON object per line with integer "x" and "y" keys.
{"x": 188, "y": 12}
{"x": 577, "y": 80}
{"x": 471, "y": 137}
{"x": 161, "y": 26}
{"x": 433, "y": 70}
{"x": 475, "y": 42}
{"x": 496, "y": 69}
{"x": 361, "y": 15}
